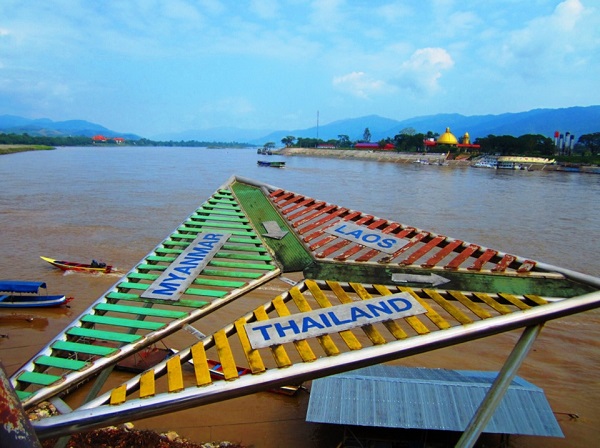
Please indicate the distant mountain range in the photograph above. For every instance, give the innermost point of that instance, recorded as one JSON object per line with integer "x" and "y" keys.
{"x": 576, "y": 120}
{"x": 12, "y": 124}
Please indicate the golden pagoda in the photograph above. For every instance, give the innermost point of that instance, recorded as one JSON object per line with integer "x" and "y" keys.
{"x": 447, "y": 138}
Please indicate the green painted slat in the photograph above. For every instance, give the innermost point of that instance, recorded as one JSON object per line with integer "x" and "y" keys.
{"x": 222, "y": 201}
{"x": 214, "y": 223}
{"x": 213, "y": 229}
{"x": 88, "y": 349}
{"x": 212, "y": 217}
{"x": 161, "y": 259}
{"x": 152, "y": 267}
{"x": 245, "y": 248}
{"x": 133, "y": 285}
{"x": 227, "y": 264}
{"x": 43, "y": 379}
{"x": 252, "y": 257}
{"x": 142, "y": 276}
{"x": 120, "y": 322}
{"x": 61, "y": 363}
{"x": 140, "y": 311}
{"x": 206, "y": 211}
{"x": 135, "y": 298}
{"x": 222, "y": 283}
{"x": 218, "y": 273}
{"x": 22, "y": 395}
{"x": 104, "y": 335}
{"x": 167, "y": 250}
{"x": 206, "y": 292}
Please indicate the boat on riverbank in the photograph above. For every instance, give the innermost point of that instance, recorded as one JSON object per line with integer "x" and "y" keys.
{"x": 26, "y": 294}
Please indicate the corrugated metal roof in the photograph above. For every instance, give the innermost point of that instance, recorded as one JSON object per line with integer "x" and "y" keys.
{"x": 418, "y": 398}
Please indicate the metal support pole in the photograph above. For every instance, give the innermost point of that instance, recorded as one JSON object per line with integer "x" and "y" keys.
{"x": 495, "y": 394}
{"x": 16, "y": 430}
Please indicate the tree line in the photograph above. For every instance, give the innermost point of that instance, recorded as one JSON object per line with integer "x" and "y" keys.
{"x": 408, "y": 140}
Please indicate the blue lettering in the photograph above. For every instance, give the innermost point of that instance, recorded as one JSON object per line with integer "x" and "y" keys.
{"x": 407, "y": 304}
{"x": 281, "y": 329}
{"x": 356, "y": 233}
{"x": 378, "y": 308}
{"x": 263, "y": 331}
{"x": 336, "y": 321}
{"x": 325, "y": 320}
{"x": 386, "y": 243}
{"x": 308, "y": 323}
{"x": 174, "y": 277}
{"x": 183, "y": 270}
{"x": 168, "y": 290}
{"x": 340, "y": 229}
{"x": 371, "y": 238}
{"x": 356, "y": 313}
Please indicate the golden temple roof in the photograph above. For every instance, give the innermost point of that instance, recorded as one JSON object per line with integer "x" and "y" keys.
{"x": 447, "y": 138}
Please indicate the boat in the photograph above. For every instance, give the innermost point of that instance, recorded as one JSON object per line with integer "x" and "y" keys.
{"x": 26, "y": 294}
{"x": 271, "y": 164}
{"x": 94, "y": 266}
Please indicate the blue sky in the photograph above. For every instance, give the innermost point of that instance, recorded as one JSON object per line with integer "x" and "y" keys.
{"x": 151, "y": 67}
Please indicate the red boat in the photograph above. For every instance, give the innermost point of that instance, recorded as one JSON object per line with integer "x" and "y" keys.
{"x": 94, "y": 266}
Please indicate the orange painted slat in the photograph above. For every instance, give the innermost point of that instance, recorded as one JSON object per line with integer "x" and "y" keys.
{"x": 423, "y": 250}
{"x": 504, "y": 263}
{"x": 486, "y": 256}
{"x": 313, "y": 206}
{"x": 441, "y": 254}
{"x": 460, "y": 258}
{"x": 322, "y": 221}
{"x": 309, "y": 217}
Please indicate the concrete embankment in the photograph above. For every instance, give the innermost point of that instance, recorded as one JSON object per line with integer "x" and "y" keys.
{"x": 379, "y": 156}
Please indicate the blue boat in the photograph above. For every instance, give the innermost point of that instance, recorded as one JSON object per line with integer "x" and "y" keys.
{"x": 26, "y": 294}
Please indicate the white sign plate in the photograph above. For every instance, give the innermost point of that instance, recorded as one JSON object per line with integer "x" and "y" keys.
{"x": 374, "y": 239}
{"x": 180, "y": 274}
{"x": 331, "y": 320}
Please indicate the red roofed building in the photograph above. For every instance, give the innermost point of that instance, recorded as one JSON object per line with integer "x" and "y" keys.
{"x": 99, "y": 138}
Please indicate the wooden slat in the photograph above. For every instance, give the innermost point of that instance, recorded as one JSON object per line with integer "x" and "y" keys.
{"x": 392, "y": 326}
{"x": 88, "y": 349}
{"x": 515, "y": 301}
{"x": 252, "y": 355}
{"x": 423, "y": 250}
{"x": 503, "y": 265}
{"x": 302, "y": 346}
{"x": 225, "y": 355}
{"x": 41, "y": 379}
{"x": 462, "y": 256}
{"x": 118, "y": 395}
{"x": 325, "y": 341}
{"x": 62, "y": 363}
{"x": 536, "y": 299}
{"x": 414, "y": 321}
{"x": 147, "y": 384}
{"x": 448, "y": 307}
{"x": 486, "y": 298}
{"x": 374, "y": 336}
{"x": 441, "y": 254}
{"x": 174, "y": 374}
{"x": 474, "y": 307}
{"x": 119, "y": 322}
{"x": 486, "y": 256}
{"x": 140, "y": 311}
{"x": 279, "y": 353}
{"x": 346, "y": 335}
{"x": 200, "y": 361}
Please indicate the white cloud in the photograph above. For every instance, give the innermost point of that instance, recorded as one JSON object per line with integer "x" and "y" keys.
{"x": 358, "y": 84}
{"x": 422, "y": 71}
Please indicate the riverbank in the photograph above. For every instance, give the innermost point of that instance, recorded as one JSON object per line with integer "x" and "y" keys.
{"x": 11, "y": 149}
{"x": 424, "y": 158}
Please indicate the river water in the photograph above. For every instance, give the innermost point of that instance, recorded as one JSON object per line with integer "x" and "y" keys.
{"x": 117, "y": 204}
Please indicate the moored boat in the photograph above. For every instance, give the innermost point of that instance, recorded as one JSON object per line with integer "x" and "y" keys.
{"x": 94, "y": 266}
{"x": 274, "y": 164}
{"x": 26, "y": 294}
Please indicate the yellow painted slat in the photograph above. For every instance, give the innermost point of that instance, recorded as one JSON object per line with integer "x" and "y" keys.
{"x": 118, "y": 395}
{"x": 486, "y": 298}
{"x": 449, "y": 307}
{"x": 414, "y": 321}
{"x": 302, "y": 347}
{"x": 174, "y": 374}
{"x": 225, "y": 355}
{"x": 515, "y": 301}
{"x": 374, "y": 336}
{"x": 326, "y": 342}
{"x": 279, "y": 354}
{"x": 252, "y": 355}
{"x": 536, "y": 299}
{"x": 200, "y": 365}
{"x": 147, "y": 385}
{"x": 474, "y": 307}
{"x": 391, "y": 325}
{"x": 346, "y": 335}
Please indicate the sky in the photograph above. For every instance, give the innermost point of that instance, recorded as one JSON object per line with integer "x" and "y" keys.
{"x": 151, "y": 67}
